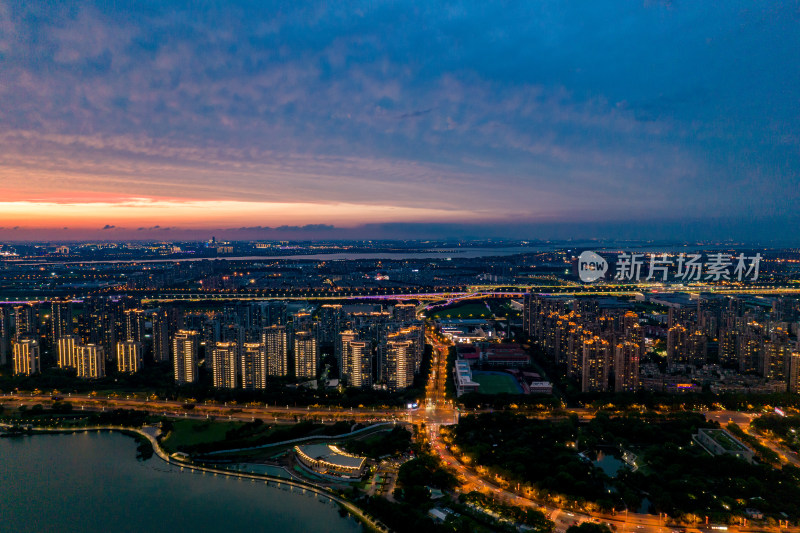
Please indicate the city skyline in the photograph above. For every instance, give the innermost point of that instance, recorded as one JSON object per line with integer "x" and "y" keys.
{"x": 662, "y": 120}
{"x": 400, "y": 266}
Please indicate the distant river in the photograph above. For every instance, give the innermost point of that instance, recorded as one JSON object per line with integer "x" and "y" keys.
{"x": 92, "y": 482}
{"x": 441, "y": 253}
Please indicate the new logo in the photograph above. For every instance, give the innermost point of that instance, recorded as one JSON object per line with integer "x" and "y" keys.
{"x": 591, "y": 267}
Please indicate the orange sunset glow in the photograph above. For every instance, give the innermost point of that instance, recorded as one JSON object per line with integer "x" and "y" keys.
{"x": 206, "y": 213}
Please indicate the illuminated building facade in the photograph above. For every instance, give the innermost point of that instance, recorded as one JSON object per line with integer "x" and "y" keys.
{"x": 129, "y": 356}
{"x": 91, "y": 361}
{"x": 27, "y": 359}
{"x": 306, "y": 355}
{"x": 225, "y": 365}
{"x": 274, "y": 339}
{"x": 185, "y": 345}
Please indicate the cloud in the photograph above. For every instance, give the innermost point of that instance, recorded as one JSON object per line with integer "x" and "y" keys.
{"x": 520, "y": 112}
{"x": 307, "y": 227}
{"x": 416, "y": 113}
{"x": 108, "y": 226}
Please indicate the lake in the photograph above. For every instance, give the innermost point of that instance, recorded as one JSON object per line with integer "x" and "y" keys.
{"x": 92, "y": 482}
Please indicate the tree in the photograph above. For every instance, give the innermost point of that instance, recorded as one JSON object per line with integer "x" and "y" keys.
{"x": 589, "y": 527}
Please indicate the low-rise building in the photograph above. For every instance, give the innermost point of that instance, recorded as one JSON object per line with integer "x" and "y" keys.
{"x": 463, "y": 378}
{"x": 720, "y": 442}
{"x": 329, "y": 460}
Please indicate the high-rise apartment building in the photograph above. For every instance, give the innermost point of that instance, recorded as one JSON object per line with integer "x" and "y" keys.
{"x": 356, "y": 360}
{"x": 276, "y": 347}
{"x": 405, "y": 312}
{"x": 626, "y": 366}
{"x": 162, "y": 333}
{"x": 27, "y": 358}
{"x": 185, "y": 345}
{"x": 91, "y": 361}
{"x": 345, "y": 337}
{"x": 5, "y": 334}
{"x": 306, "y": 354}
{"x": 129, "y": 356}
{"x": 677, "y": 345}
{"x": 102, "y": 322}
{"x": 794, "y": 373}
{"x": 595, "y": 367}
{"x": 331, "y": 318}
{"x": 225, "y": 365}
{"x": 66, "y": 348}
{"x": 273, "y": 313}
{"x": 60, "y": 320}
{"x": 25, "y": 322}
{"x": 254, "y": 366}
{"x": 399, "y": 364}
{"x": 135, "y": 325}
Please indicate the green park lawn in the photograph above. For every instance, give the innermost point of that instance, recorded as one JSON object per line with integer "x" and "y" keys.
{"x": 191, "y": 432}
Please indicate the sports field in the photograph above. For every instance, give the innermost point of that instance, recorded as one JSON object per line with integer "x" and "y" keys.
{"x": 467, "y": 310}
{"x": 496, "y": 383}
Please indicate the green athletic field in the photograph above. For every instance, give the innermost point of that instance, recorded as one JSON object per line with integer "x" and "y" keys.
{"x": 467, "y": 310}
{"x": 496, "y": 383}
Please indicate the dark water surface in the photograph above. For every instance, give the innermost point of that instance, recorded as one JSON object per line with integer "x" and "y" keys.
{"x": 94, "y": 483}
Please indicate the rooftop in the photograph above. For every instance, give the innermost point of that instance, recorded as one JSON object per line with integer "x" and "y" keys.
{"x": 331, "y": 454}
{"x": 725, "y": 439}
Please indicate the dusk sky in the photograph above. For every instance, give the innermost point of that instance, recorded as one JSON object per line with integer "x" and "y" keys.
{"x": 137, "y": 120}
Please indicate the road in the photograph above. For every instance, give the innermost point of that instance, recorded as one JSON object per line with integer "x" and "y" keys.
{"x": 439, "y": 411}
{"x": 243, "y": 412}
{"x": 743, "y": 420}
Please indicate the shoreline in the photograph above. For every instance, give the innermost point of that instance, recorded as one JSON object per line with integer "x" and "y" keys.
{"x": 354, "y": 510}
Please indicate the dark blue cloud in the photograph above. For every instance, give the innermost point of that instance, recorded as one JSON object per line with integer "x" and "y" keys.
{"x": 598, "y": 111}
